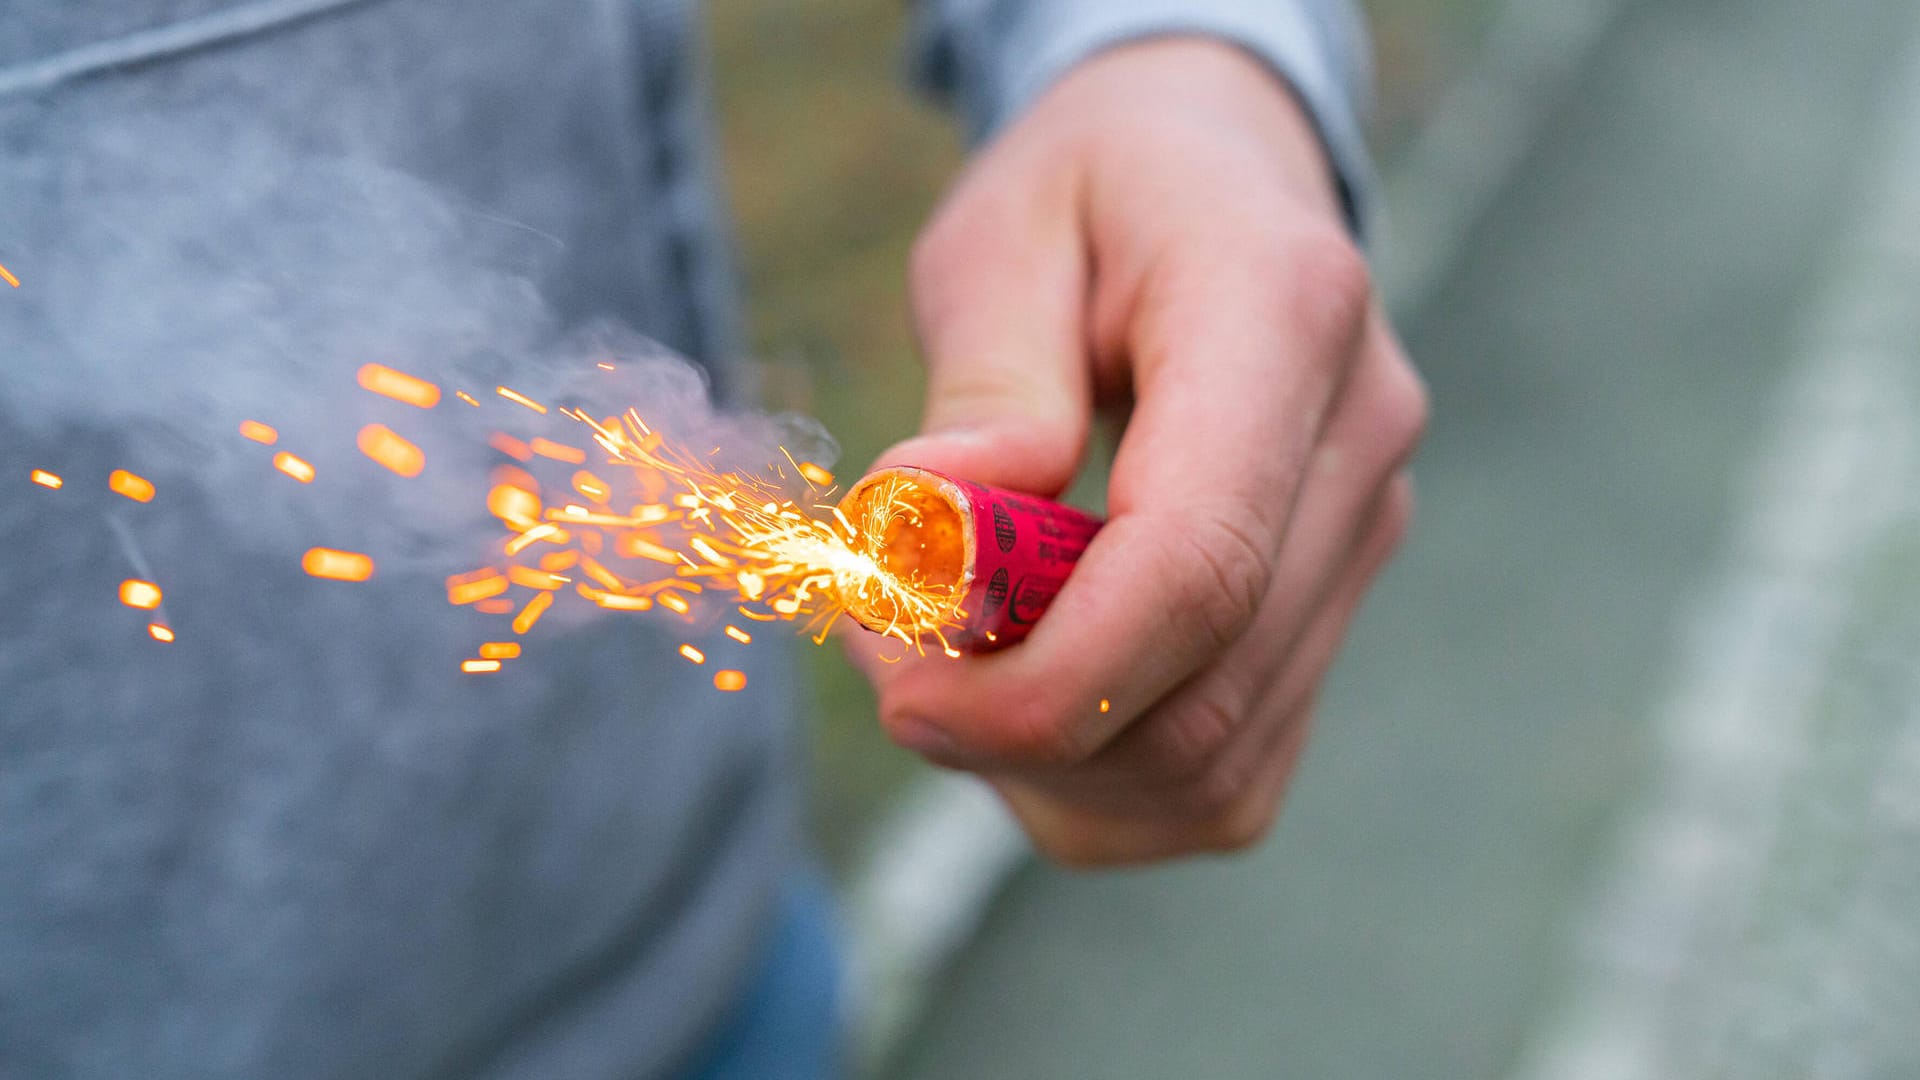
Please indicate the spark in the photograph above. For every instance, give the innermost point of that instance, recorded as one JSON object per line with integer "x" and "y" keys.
{"x": 603, "y": 366}
{"x": 293, "y": 466}
{"x": 510, "y": 446}
{"x": 383, "y": 445}
{"x": 519, "y": 398}
{"x": 530, "y": 578}
{"x": 399, "y": 386}
{"x": 729, "y": 680}
{"x": 337, "y": 565}
{"x": 479, "y": 667}
{"x": 160, "y": 632}
{"x": 693, "y": 654}
{"x": 739, "y": 635}
{"x": 474, "y": 587}
{"x": 495, "y": 606}
{"x": 144, "y": 595}
{"x": 47, "y": 480}
{"x": 466, "y": 397}
{"x": 137, "y": 488}
{"x": 816, "y": 475}
{"x": 530, "y": 614}
{"x": 547, "y": 448}
{"x": 500, "y": 650}
{"x": 1105, "y": 705}
{"x": 7, "y": 276}
{"x": 556, "y": 561}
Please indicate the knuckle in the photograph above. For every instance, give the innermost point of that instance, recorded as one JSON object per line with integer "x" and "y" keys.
{"x": 1222, "y": 555}
{"x": 1404, "y": 409}
{"x": 1333, "y": 284}
{"x": 1039, "y": 732}
{"x": 1195, "y": 734}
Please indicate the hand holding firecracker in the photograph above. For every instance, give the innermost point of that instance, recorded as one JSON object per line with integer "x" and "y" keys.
{"x": 1159, "y": 230}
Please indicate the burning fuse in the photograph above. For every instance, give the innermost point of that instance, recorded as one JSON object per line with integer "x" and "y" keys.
{"x": 994, "y": 558}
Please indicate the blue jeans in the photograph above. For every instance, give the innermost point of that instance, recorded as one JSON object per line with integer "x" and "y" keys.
{"x": 788, "y": 1025}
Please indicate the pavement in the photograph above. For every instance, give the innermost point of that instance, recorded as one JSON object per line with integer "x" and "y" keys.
{"x": 1621, "y": 358}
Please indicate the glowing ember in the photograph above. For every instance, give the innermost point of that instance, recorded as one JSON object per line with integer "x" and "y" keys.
{"x": 46, "y": 479}
{"x": 510, "y": 446}
{"x": 6, "y": 275}
{"x": 500, "y": 650}
{"x": 399, "y": 386}
{"x": 519, "y": 398}
{"x": 144, "y": 595}
{"x": 816, "y": 475}
{"x": 729, "y": 680}
{"x": 693, "y": 654}
{"x": 530, "y": 614}
{"x": 293, "y": 466}
{"x": 468, "y": 398}
{"x": 494, "y": 607}
{"x": 1105, "y": 705}
{"x": 547, "y": 448}
{"x": 739, "y": 635}
{"x": 479, "y": 667}
{"x": 479, "y": 585}
{"x": 337, "y": 565}
{"x": 160, "y": 632}
{"x": 137, "y": 488}
{"x": 380, "y": 443}
{"x": 259, "y": 432}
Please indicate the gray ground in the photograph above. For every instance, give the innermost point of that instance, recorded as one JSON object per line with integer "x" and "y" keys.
{"x": 1605, "y": 363}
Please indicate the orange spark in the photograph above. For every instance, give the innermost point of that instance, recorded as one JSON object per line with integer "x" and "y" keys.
{"x": 384, "y": 445}
{"x": 604, "y": 366}
{"x": 137, "y": 488}
{"x": 550, "y": 533}
{"x": 293, "y": 466}
{"x": 399, "y": 386}
{"x": 816, "y": 475}
{"x": 479, "y": 585}
{"x": 739, "y": 635}
{"x": 535, "y": 579}
{"x": 729, "y": 680}
{"x": 510, "y": 446}
{"x": 675, "y": 602}
{"x": 496, "y": 606}
{"x": 547, "y": 448}
{"x": 259, "y": 432}
{"x": 500, "y": 650}
{"x": 479, "y": 667}
{"x": 144, "y": 595}
{"x": 1105, "y": 705}
{"x": 46, "y": 479}
{"x": 556, "y": 561}
{"x": 337, "y": 565}
{"x": 693, "y": 654}
{"x": 160, "y": 632}
{"x": 530, "y": 614}
{"x": 519, "y": 398}
{"x": 7, "y": 276}
{"x": 466, "y": 397}
{"x": 591, "y": 486}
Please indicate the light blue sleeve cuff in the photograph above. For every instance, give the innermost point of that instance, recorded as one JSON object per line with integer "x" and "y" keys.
{"x": 992, "y": 58}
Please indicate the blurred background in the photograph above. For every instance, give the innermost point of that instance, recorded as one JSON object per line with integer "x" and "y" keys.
{"x": 1620, "y": 776}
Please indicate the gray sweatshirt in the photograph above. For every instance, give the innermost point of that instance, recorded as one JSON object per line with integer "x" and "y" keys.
{"x": 297, "y": 842}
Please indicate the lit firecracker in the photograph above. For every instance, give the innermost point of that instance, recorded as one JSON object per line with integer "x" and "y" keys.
{"x": 908, "y": 553}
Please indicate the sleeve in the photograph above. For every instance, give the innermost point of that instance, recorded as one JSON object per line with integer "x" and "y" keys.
{"x": 991, "y": 58}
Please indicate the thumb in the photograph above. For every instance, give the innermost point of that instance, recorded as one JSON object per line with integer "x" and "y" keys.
{"x": 998, "y": 289}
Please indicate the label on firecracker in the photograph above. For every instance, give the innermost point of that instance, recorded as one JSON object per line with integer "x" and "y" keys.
{"x": 1023, "y": 550}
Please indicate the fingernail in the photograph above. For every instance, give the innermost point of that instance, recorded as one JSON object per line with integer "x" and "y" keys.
{"x": 916, "y": 734}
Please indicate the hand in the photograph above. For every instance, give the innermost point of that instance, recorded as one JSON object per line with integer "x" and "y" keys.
{"x": 1161, "y": 229}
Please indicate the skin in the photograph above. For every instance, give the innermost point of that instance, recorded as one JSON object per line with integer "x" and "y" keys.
{"x": 1159, "y": 237}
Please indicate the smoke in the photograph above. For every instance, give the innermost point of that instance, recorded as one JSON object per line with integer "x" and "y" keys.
{"x": 174, "y": 295}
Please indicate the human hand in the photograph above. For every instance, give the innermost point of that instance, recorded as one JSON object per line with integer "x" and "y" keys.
{"x": 1160, "y": 230}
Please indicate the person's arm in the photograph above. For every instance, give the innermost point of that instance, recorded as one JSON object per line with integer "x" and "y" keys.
{"x": 990, "y": 59}
{"x": 1158, "y": 229}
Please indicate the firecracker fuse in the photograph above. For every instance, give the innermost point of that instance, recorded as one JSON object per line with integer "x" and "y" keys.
{"x": 1001, "y": 556}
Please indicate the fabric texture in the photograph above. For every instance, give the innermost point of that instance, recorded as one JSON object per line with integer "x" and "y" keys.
{"x": 992, "y": 58}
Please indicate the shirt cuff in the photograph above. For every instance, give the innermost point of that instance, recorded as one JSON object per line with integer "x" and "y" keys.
{"x": 992, "y": 59}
